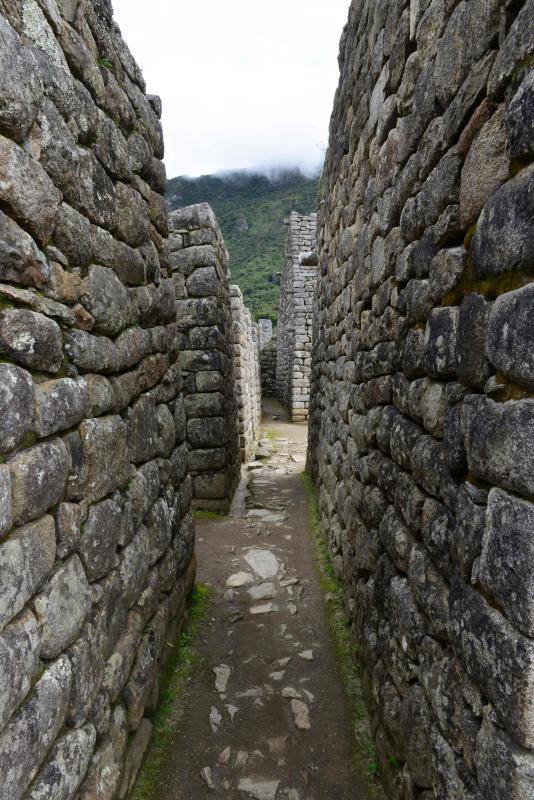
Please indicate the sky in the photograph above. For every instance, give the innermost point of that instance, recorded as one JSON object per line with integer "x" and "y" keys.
{"x": 245, "y": 84}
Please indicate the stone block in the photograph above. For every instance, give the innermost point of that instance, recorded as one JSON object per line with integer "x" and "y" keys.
{"x": 143, "y": 431}
{"x": 497, "y": 659}
{"x": 485, "y": 169}
{"x": 31, "y": 339}
{"x": 211, "y": 486}
{"x": 506, "y": 771}
{"x": 209, "y": 404}
{"x": 38, "y": 479}
{"x": 504, "y": 239}
{"x": 199, "y": 360}
{"x": 466, "y": 540}
{"x": 499, "y": 440}
{"x": 441, "y": 341}
{"x": 103, "y": 776}
{"x": 139, "y": 687}
{"x": 105, "y": 455}
{"x": 60, "y": 404}
{"x": 16, "y": 406}
{"x": 519, "y": 123}
{"x": 202, "y": 282}
{"x": 26, "y": 561}
{"x": 108, "y": 301}
{"x": 505, "y": 566}
{"x": 100, "y": 538}
{"x": 27, "y": 191}
{"x": 135, "y": 560}
{"x": 69, "y": 518}
{"x": 471, "y": 363}
{"x": 159, "y": 527}
{"x": 19, "y": 662}
{"x": 62, "y": 607}
{"x": 21, "y": 261}
{"x": 510, "y": 335}
{"x": 134, "y": 757}
{"x": 27, "y": 738}
{"x": 65, "y": 765}
{"x": 206, "y": 433}
{"x": 120, "y": 663}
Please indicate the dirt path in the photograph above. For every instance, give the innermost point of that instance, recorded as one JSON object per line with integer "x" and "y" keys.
{"x": 266, "y": 717}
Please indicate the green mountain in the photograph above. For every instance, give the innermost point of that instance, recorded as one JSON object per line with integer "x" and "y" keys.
{"x": 251, "y": 209}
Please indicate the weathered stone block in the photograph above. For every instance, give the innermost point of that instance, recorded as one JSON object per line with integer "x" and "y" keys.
{"x": 143, "y": 430}
{"x": 105, "y": 455}
{"x": 108, "y": 301}
{"x": 506, "y": 771}
{"x": 65, "y": 766}
{"x": 19, "y": 662}
{"x": 206, "y": 433}
{"x": 499, "y": 442}
{"x": 505, "y": 566}
{"x": 28, "y": 191}
{"x": 135, "y": 561}
{"x": 504, "y": 238}
{"x": 16, "y": 406}
{"x": 485, "y": 169}
{"x": 211, "y": 486}
{"x": 497, "y": 659}
{"x": 100, "y": 538}
{"x": 471, "y": 363}
{"x": 31, "y": 339}
{"x": 26, "y": 560}
{"x": 103, "y": 775}
{"x": 203, "y": 282}
{"x": 38, "y": 478}
{"x": 519, "y": 122}
{"x": 6, "y": 516}
{"x": 159, "y": 526}
{"x": 441, "y": 341}
{"x": 26, "y": 739}
{"x": 60, "y": 404}
{"x": 139, "y": 687}
{"x": 510, "y": 336}
{"x": 62, "y": 608}
{"x": 20, "y": 260}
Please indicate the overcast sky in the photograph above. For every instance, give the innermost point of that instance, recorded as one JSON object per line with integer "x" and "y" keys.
{"x": 244, "y": 83}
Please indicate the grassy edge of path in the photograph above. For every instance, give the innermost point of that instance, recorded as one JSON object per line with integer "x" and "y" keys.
{"x": 182, "y": 664}
{"x": 365, "y": 761}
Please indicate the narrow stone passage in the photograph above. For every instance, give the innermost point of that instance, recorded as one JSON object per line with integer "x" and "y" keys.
{"x": 266, "y": 717}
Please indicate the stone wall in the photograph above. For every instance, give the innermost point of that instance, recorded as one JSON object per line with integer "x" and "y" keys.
{"x": 96, "y": 532}
{"x": 293, "y": 361}
{"x": 245, "y": 337}
{"x": 266, "y": 332}
{"x": 422, "y": 418}
{"x": 268, "y": 367}
{"x": 199, "y": 262}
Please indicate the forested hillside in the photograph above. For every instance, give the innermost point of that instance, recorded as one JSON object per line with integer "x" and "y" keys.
{"x": 251, "y": 209}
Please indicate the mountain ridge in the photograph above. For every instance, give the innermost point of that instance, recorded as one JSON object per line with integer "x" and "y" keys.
{"x": 251, "y": 207}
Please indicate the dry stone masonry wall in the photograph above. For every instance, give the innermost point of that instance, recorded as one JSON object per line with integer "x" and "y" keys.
{"x": 96, "y": 532}
{"x": 246, "y": 337}
{"x": 268, "y": 367}
{"x": 293, "y": 361}
{"x": 422, "y": 417}
{"x": 199, "y": 261}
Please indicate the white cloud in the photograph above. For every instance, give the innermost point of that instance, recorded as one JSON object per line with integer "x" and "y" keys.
{"x": 244, "y": 83}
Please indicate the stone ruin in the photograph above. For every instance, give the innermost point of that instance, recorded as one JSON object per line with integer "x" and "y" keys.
{"x": 422, "y": 414}
{"x": 204, "y": 320}
{"x": 295, "y": 318}
{"x": 268, "y": 367}
{"x": 266, "y": 332}
{"x": 96, "y": 531}
{"x": 130, "y": 389}
{"x": 118, "y": 402}
{"x": 246, "y": 342}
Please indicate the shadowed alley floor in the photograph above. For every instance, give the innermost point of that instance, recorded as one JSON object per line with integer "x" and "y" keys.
{"x": 266, "y": 716}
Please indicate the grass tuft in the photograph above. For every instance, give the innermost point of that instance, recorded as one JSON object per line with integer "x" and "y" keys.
{"x": 365, "y": 758}
{"x": 183, "y": 663}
